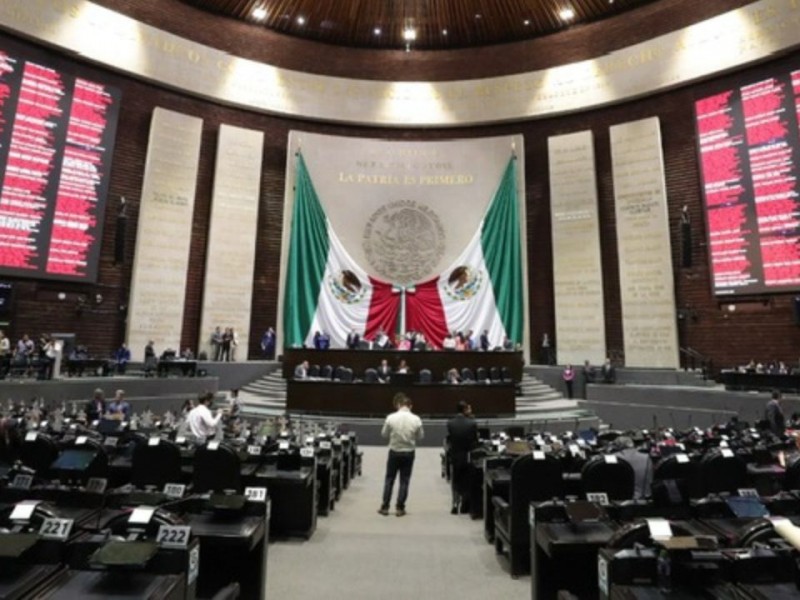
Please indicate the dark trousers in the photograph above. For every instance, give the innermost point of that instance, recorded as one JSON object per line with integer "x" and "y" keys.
{"x": 397, "y": 462}
{"x": 459, "y": 483}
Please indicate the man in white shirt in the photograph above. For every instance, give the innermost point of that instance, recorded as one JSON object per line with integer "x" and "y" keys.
{"x": 404, "y": 429}
{"x": 201, "y": 423}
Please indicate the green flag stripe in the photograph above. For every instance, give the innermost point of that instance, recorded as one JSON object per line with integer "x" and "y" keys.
{"x": 308, "y": 254}
{"x": 500, "y": 241}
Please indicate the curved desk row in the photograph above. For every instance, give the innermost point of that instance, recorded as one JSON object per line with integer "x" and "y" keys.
{"x": 375, "y": 399}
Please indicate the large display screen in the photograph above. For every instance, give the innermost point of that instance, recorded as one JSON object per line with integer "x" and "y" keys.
{"x": 56, "y": 141}
{"x": 748, "y": 142}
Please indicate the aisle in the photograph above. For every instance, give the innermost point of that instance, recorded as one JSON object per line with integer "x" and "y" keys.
{"x": 357, "y": 554}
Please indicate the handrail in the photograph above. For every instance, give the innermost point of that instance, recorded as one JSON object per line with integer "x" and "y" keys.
{"x": 691, "y": 358}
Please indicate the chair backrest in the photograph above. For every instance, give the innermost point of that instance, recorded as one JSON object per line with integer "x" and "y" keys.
{"x": 156, "y": 465}
{"x": 347, "y": 374}
{"x": 680, "y": 468}
{"x": 505, "y": 375}
{"x": 482, "y": 374}
{"x": 494, "y": 374}
{"x": 338, "y": 373}
{"x": 313, "y": 371}
{"x": 791, "y": 479}
{"x": 425, "y": 376}
{"x": 467, "y": 374}
{"x": 371, "y": 376}
{"x": 722, "y": 471}
{"x": 532, "y": 480}
{"x": 327, "y": 372}
{"x": 608, "y": 474}
{"x": 216, "y": 470}
{"x": 40, "y": 453}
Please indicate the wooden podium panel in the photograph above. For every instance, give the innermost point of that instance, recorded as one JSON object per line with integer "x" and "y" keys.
{"x": 375, "y": 399}
{"x": 439, "y": 362}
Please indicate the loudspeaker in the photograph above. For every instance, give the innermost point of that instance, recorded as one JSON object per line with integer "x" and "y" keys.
{"x": 686, "y": 245}
{"x": 119, "y": 240}
{"x": 796, "y": 309}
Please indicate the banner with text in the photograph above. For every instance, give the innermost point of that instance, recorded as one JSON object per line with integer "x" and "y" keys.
{"x": 577, "y": 265}
{"x": 228, "y": 288}
{"x": 164, "y": 233}
{"x": 647, "y": 291}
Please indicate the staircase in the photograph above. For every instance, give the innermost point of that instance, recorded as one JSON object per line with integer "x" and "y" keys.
{"x": 264, "y": 396}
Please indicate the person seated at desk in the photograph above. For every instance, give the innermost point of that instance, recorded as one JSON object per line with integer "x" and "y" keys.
{"x": 301, "y": 370}
{"x": 453, "y": 377}
{"x": 384, "y": 371}
{"x": 201, "y": 423}
{"x": 122, "y": 357}
{"x": 96, "y": 407}
{"x": 119, "y": 408}
{"x": 402, "y": 367}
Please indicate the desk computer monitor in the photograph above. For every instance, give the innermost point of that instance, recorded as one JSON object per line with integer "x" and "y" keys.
{"x": 74, "y": 460}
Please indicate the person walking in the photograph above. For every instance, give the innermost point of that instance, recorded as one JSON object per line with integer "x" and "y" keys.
{"x": 403, "y": 429}
{"x": 462, "y": 437}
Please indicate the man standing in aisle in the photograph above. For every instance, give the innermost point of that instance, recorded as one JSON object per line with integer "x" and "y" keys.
{"x": 404, "y": 429}
{"x": 462, "y": 436}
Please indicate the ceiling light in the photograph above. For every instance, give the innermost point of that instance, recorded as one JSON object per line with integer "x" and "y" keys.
{"x": 376, "y": 31}
{"x": 526, "y": 22}
{"x": 301, "y": 20}
{"x": 259, "y": 13}
{"x": 566, "y": 13}
{"x": 444, "y": 31}
{"x": 478, "y": 16}
{"x": 409, "y": 34}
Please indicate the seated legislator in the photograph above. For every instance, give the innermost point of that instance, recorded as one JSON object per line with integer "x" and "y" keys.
{"x": 402, "y": 367}
{"x": 453, "y": 377}
{"x": 301, "y": 370}
{"x": 119, "y": 408}
{"x": 384, "y": 371}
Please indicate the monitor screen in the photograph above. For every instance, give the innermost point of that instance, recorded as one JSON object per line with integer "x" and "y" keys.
{"x": 749, "y": 149}
{"x": 57, "y": 132}
{"x": 73, "y": 459}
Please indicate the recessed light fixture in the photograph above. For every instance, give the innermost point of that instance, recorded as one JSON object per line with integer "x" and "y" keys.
{"x": 478, "y": 16}
{"x": 376, "y": 31}
{"x": 259, "y": 13}
{"x": 301, "y": 20}
{"x": 444, "y": 31}
{"x": 409, "y": 34}
{"x": 526, "y": 22}
{"x": 566, "y": 13}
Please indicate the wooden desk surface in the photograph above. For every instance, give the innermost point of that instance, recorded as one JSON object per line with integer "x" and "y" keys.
{"x": 375, "y": 399}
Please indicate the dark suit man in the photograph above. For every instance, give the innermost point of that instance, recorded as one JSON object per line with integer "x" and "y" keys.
{"x": 353, "y": 339}
{"x": 384, "y": 371}
{"x": 485, "y": 345}
{"x": 462, "y": 436}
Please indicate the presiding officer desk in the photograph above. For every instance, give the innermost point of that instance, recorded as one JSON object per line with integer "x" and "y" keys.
{"x": 437, "y": 361}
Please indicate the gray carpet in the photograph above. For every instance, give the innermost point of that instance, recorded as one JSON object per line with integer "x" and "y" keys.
{"x": 358, "y": 554}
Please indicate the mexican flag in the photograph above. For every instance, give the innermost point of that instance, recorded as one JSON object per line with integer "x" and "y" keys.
{"x": 482, "y": 289}
{"x": 327, "y": 291}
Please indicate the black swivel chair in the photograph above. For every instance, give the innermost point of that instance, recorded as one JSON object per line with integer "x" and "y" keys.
{"x": 327, "y": 372}
{"x": 611, "y": 476}
{"x": 495, "y": 375}
{"x": 532, "y": 480}
{"x": 371, "y": 376}
{"x": 347, "y": 375}
{"x": 38, "y": 454}
{"x": 467, "y": 375}
{"x": 313, "y": 371}
{"x": 482, "y": 374}
{"x": 216, "y": 470}
{"x": 681, "y": 470}
{"x": 425, "y": 376}
{"x": 791, "y": 479}
{"x": 505, "y": 375}
{"x": 156, "y": 465}
{"x": 722, "y": 471}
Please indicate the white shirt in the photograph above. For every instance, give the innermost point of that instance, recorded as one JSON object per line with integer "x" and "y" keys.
{"x": 201, "y": 423}
{"x": 403, "y": 428}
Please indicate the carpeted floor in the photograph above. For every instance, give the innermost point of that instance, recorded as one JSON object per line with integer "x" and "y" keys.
{"x": 357, "y": 554}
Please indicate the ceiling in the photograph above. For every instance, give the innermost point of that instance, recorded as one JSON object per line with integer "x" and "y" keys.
{"x": 438, "y": 24}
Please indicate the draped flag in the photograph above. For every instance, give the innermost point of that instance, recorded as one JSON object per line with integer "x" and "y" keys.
{"x": 482, "y": 289}
{"x": 327, "y": 291}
